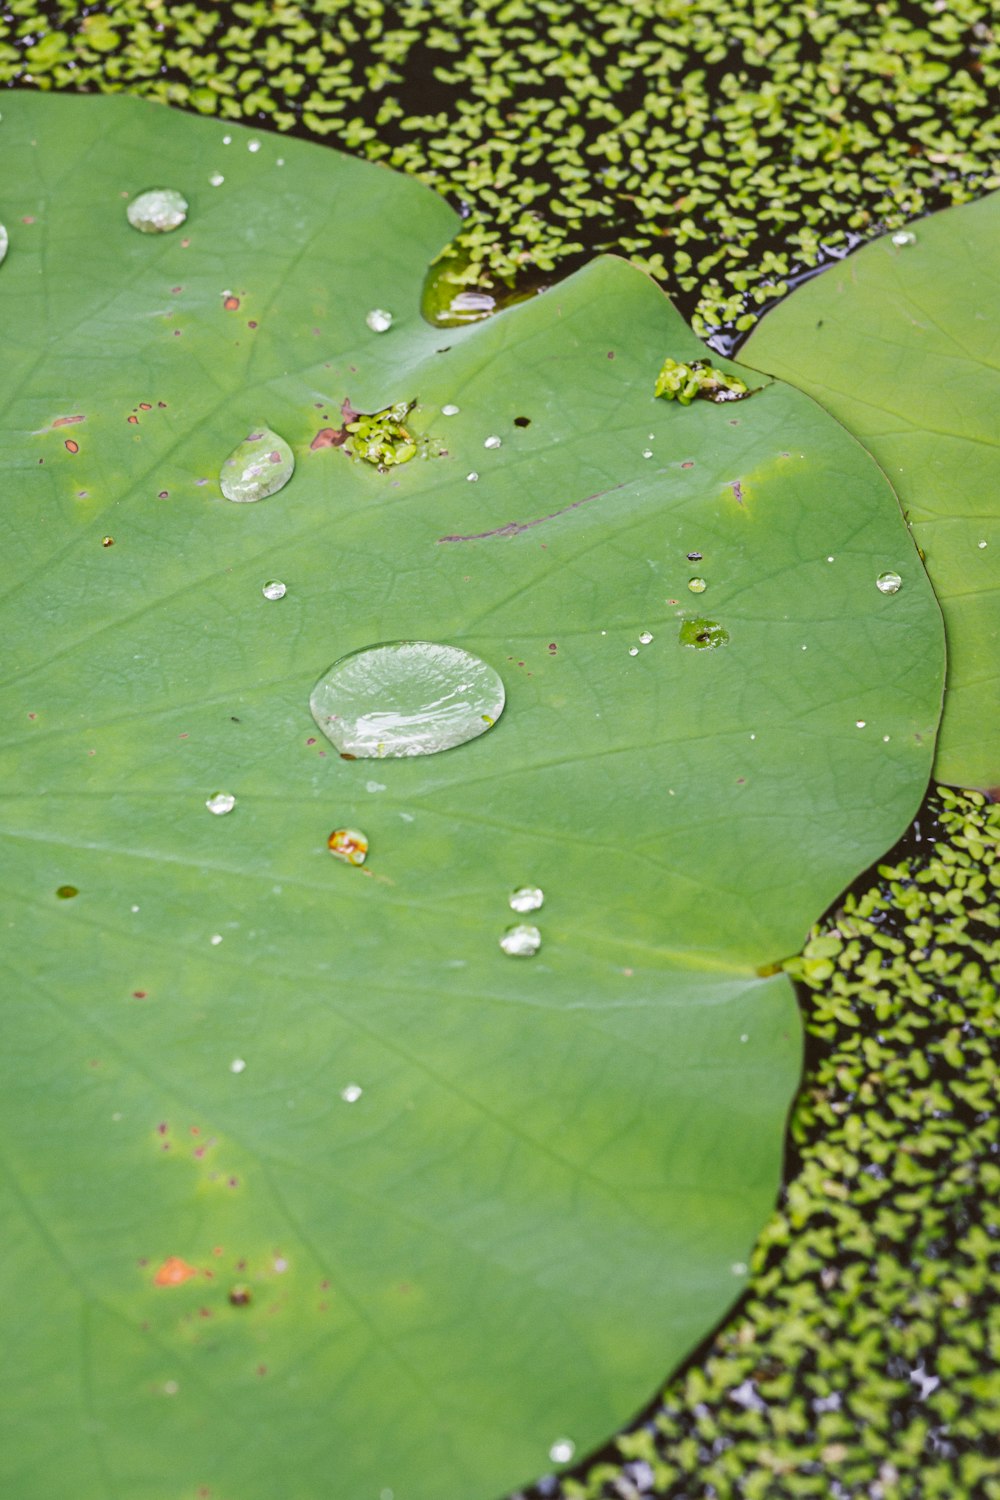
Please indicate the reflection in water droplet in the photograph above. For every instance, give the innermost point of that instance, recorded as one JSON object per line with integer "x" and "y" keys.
{"x": 227, "y": 140}
{"x": 647, "y": 453}
{"x": 702, "y": 634}
{"x": 274, "y": 589}
{"x": 220, "y": 803}
{"x": 4, "y": 241}
{"x": 981, "y": 544}
{"x": 521, "y": 941}
{"x": 492, "y": 442}
{"x": 646, "y": 637}
{"x": 406, "y": 698}
{"x": 216, "y": 179}
{"x": 260, "y": 466}
{"x": 562, "y": 1450}
{"x": 349, "y": 845}
{"x": 904, "y": 237}
{"x": 253, "y": 145}
{"x": 451, "y": 410}
{"x": 157, "y": 211}
{"x": 633, "y": 651}
{"x": 237, "y": 1065}
{"x": 527, "y": 898}
{"x": 697, "y": 585}
{"x": 378, "y": 320}
{"x": 67, "y": 892}
{"x": 472, "y": 477}
{"x": 888, "y": 583}
{"x": 351, "y": 1093}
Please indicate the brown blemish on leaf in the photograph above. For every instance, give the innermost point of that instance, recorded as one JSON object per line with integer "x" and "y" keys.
{"x": 174, "y": 1272}
{"x": 71, "y": 446}
{"x": 231, "y": 304}
{"x": 514, "y": 528}
{"x": 68, "y": 421}
{"x": 328, "y": 437}
{"x": 134, "y": 420}
{"x": 107, "y": 541}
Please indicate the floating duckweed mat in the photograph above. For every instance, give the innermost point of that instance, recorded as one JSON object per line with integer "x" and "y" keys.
{"x": 729, "y": 148}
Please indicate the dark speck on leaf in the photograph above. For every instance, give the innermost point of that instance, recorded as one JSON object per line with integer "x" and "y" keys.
{"x": 522, "y": 421}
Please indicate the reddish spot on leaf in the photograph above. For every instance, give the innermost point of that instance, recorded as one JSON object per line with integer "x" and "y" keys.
{"x": 28, "y": 219}
{"x": 251, "y": 325}
{"x": 134, "y": 420}
{"x": 141, "y": 995}
{"x": 71, "y": 446}
{"x": 174, "y": 1272}
{"x": 68, "y": 421}
{"x": 231, "y": 304}
{"x": 162, "y": 1128}
{"x": 145, "y": 406}
{"x": 688, "y": 464}
{"x": 262, "y": 1369}
{"x": 553, "y": 648}
{"x": 328, "y": 437}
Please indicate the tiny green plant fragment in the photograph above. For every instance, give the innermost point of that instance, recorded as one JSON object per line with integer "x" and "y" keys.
{"x": 381, "y": 438}
{"x": 157, "y": 211}
{"x": 696, "y": 381}
{"x": 258, "y": 467}
{"x": 406, "y": 698}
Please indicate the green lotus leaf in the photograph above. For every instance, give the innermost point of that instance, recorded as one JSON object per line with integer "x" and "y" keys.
{"x": 899, "y": 342}
{"x": 314, "y": 1188}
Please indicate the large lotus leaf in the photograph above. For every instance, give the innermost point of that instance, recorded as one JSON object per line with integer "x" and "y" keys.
{"x": 228, "y": 1272}
{"x": 900, "y": 342}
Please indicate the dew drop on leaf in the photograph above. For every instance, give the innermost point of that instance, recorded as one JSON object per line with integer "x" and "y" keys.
{"x": 527, "y": 898}
{"x": 406, "y": 698}
{"x": 221, "y": 803}
{"x": 888, "y": 583}
{"x": 4, "y": 242}
{"x": 450, "y": 410}
{"x": 348, "y": 844}
{"x": 697, "y": 585}
{"x": 260, "y": 466}
{"x": 562, "y": 1450}
{"x": 351, "y": 1093}
{"x": 379, "y": 320}
{"x": 904, "y": 237}
{"x": 492, "y": 442}
{"x": 521, "y": 941}
{"x": 645, "y": 637}
{"x": 274, "y": 589}
{"x": 157, "y": 211}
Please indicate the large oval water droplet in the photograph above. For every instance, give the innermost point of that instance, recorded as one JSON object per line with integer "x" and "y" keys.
{"x": 888, "y": 583}
{"x": 260, "y": 466}
{"x": 157, "y": 211}
{"x": 522, "y": 941}
{"x": 406, "y": 698}
{"x": 527, "y": 898}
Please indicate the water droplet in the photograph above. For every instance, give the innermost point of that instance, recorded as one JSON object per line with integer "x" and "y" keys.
{"x": 451, "y": 410}
{"x": 562, "y": 1450}
{"x": 215, "y": 939}
{"x": 492, "y": 442}
{"x": 260, "y": 466}
{"x": 888, "y": 583}
{"x": 472, "y": 477}
{"x": 885, "y": 739}
{"x": 349, "y": 845}
{"x": 647, "y": 453}
{"x": 633, "y": 651}
{"x": 170, "y": 1387}
{"x": 738, "y": 1268}
{"x": 406, "y": 698}
{"x": 527, "y": 898}
{"x": 216, "y": 179}
{"x": 904, "y": 237}
{"x": 4, "y": 241}
{"x": 830, "y": 558}
{"x": 702, "y": 634}
{"x": 274, "y": 589}
{"x": 521, "y": 941}
{"x": 697, "y": 585}
{"x": 646, "y": 637}
{"x": 221, "y": 802}
{"x": 744, "y": 1037}
{"x": 860, "y": 723}
{"x": 227, "y": 140}
{"x": 981, "y": 544}
{"x": 253, "y": 145}
{"x": 157, "y": 211}
{"x": 351, "y": 1093}
{"x": 67, "y": 892}
{"x": 378, "y": 320}
{"x": 237, "y": 1065}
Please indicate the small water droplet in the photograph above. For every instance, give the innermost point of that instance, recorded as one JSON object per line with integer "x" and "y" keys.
{"x": 633, "y": 651}
{"x": 157, "y": 211}
{"x": 860, "y": 723}
{"x": 259, "y": 466}
{"x": 451, "y": 410}
{"x": 492, "y": 442}
{"x": 647, "y": 453}
{"x": 521, "y": 941}
{"x": 830, "y": 558}
{"x": 904, "y": 237}
{"x": 738, "y": 1268}
{"x": 215, "y": 939}
{"x": 237, "y": 1065}
{"x": 379, "y": 320}
{"x": 646, "y": 637}
{"x": 253, "y": 145}
{"x": 406, "y": 698}
{"x": 697, "y": 585}
{"x": 888, "y": 583}
{"x": 472, "y": 477}
{"x": 66, "y": 892}
{"x": 4, "y": 241}
{"x": 885, "y": 739}
{"x": 349, "y": 845}
{"x": 170, "y": 1387}
{"x": 221, "y": 802}
{"x": 981, "y": 544}
{"x": 562, "y": 1450}
{"x": 216, "y": 179}
{"x": 527, "y": 898}
{"x": 274, "y": 589}
{"x": 351, "y": 1093}
{"x": 227, "y": 140}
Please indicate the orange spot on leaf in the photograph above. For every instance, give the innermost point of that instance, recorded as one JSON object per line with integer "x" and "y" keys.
{"x": 71, "y": 446}
{"x": 173, "y": 1272}
{"x": 134, "y": 420}
{"x": 231, "y": 304}
{"x": 68, "y": 421}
